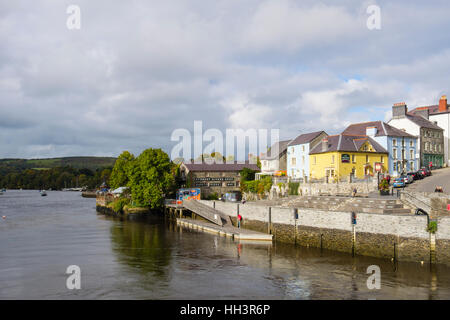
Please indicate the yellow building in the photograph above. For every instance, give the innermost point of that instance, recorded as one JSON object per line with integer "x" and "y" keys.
{"x": 341, "y": 155}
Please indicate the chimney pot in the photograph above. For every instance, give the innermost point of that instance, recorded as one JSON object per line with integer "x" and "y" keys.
{"x": 443, "y": 104}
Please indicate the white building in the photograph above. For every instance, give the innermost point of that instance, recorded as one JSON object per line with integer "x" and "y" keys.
{"x": 298, "y": 153}
{"x": 441, "y": 115}
{"x": 274, "y": 160}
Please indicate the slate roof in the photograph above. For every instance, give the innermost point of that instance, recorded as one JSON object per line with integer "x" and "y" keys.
{"x": 305, "y": 138}
{"x": 422, "y": 122}
{"x": 282, "y": 147}
{"x": 431, "y": 109}
{"x": 383, "y": 129}
{"x": 349, "y": 143}
{"x": 219, "y": 167}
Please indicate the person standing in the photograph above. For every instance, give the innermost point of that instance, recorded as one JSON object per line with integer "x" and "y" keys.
{"x": 239, "y": 218}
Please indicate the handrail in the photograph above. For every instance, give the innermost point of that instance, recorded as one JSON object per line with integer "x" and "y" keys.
{"x": 411, "y": 196}
{"x": 426, "y": 204}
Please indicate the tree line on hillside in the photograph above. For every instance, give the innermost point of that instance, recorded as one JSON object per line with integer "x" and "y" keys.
{"x": 55, "y": 178}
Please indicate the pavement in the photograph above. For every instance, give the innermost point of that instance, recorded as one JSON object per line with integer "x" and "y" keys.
{"x": 439, "y": 177}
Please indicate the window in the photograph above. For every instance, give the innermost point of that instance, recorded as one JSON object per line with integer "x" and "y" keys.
{"x": 394, "y": 142}
{"x": 332, "y": 159}
{"x": 303, "y": 160}
{"x": 382, "y": 159}
{"x": 293, "y": 161}
{"x": 303, "y": 148}
{"x": 315, "y": 159}
{"x": 394, "y": 153}
{"x": 411, "y": 154}
{"x": 395, "y": 166}
{"x": 412, "y": 166}
{"x": 367, "y": 159}
{"x": 353, "y": 158}
{"x": 411, "y": 143}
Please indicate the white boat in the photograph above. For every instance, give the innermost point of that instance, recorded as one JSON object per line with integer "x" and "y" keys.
{"x": 43, "y": 193}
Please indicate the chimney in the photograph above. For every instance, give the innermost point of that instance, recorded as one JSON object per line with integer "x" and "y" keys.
{"x": 399, "y": 110}
{"x": 371, "y": 131}
{"x": 324, "y": 144}
{"x": 443, "y": 104}
{"x": 424, "y": 112}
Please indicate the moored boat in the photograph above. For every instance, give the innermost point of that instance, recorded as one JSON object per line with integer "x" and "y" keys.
{"x": 43, "y": 193}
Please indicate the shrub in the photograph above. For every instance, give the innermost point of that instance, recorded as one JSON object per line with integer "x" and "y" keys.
{"x": 432, "y": 226}
{"x": 119, "y": 204}
{"x": 293, "y": 188}
{"x": 213, "y": 196}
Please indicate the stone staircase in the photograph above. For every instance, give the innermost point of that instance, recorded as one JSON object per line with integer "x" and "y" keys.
{"x": 332, "y": 203}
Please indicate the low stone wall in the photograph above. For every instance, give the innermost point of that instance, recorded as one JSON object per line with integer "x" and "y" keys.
{"x": 337, "y": 188}
{"x": 402, "y": 237}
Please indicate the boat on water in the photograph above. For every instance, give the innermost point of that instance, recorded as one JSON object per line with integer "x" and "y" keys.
{"x": 43, "y": 193}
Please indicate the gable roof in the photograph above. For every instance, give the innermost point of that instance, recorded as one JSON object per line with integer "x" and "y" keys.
{"x": 383, "y": 129}
{"x": 220, "y": 166}
{"x": 422, "y": 122}
{"x": 305, "y": 138}
{"x": 350, "y": 143}
{"x": 282, "y": 147}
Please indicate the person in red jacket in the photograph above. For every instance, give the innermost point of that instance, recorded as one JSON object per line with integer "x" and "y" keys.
{"x": 239, "y": 218}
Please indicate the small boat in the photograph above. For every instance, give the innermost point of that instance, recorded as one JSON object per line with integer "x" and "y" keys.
{"x": 43, "y": 193}
{"x": 3, "y": 190}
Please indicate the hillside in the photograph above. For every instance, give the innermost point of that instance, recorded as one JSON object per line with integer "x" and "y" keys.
{"x": 92, "y": 163}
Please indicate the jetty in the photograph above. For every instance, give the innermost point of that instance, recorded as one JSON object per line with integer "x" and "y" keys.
{"x": 207, "y": 219}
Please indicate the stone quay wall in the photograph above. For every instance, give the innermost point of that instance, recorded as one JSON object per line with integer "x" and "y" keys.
{"x": 399, "y": 237}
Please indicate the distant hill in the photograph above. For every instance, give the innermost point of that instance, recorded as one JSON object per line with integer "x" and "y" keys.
{"x": 91, "y": 163}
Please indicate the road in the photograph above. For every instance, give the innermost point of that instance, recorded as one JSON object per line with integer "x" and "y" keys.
{"x": 439, "y": 177}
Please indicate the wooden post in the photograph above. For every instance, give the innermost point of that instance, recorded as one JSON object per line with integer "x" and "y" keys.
{"x": 269, "y": 222}
{"x": 432, "y": 248}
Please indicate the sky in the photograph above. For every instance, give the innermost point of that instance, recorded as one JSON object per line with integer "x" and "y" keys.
{"x": 135, "y": 71}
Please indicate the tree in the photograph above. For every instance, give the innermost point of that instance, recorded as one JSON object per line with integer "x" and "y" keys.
{"x": 119, "y": 175}
{"x": 150, "y": 178}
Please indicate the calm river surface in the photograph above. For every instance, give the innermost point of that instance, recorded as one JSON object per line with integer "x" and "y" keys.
{"x": 153, "y": 259}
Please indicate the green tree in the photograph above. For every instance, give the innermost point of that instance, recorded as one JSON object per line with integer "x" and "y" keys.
{"x": 119, "y": 174}
{"x": 150, "y": 178}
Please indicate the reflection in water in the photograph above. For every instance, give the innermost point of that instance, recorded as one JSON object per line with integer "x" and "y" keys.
{"x": 141, "y": 244}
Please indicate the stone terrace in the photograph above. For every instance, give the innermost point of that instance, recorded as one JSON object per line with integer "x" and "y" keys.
{"x": 331, "y": 203}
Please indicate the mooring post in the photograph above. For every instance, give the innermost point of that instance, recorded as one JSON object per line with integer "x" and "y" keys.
{"x": 214, "y": 204}
{"x": 269, "y": 223}
{"x": 432, "y": 248}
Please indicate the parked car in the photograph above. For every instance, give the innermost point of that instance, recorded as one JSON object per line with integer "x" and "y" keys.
{"x": 423, "y": 171}
{"x": 427, "y": 171}
{"x": 419, "y": 174}
{"x": 234, "y": 196}
{"x": 399, "y": 183}
{"x": 407, "y": 179}
{"x": 413, "y": 175}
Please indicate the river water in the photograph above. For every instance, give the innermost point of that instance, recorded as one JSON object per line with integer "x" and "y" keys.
{"x": 154, "y": 259}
